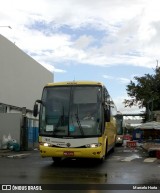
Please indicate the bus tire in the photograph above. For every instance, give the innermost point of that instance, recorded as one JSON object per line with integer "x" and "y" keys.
{"x": 101, "y": 160}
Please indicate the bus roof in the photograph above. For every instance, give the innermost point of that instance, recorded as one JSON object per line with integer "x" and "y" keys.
{"x": 67, "y": 83}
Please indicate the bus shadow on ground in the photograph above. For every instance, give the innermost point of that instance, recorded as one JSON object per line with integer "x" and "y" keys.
{"x": 73, "y": 171}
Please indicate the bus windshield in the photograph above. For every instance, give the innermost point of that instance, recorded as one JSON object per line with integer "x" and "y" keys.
{"x": 71, "y": 111}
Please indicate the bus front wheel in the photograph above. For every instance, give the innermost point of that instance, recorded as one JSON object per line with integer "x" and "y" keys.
{"x": 102, "y": 159}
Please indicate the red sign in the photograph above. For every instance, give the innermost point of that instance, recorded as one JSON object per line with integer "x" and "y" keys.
{"x": 127, "y": 137}
{"x": 131, "y": 143}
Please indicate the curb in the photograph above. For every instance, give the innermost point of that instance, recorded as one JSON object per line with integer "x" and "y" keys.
{"x": 13, "y": 154}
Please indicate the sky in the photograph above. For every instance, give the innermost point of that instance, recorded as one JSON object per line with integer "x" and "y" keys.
{"x": 110, "y": 41}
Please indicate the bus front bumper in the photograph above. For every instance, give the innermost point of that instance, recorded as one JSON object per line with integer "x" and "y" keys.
{"x": 71, "y": 152}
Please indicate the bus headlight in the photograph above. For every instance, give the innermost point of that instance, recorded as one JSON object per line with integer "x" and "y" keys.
{"x": 93, "y": 145}
{"x": 46, "y": 144}
{"x": 119, "y": 138}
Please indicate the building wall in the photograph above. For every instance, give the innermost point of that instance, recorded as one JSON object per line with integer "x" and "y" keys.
{"x": 10, "y": 125}
{"x": 21, "y": 77}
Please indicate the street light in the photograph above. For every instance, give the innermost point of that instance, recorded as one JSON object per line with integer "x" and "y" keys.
{"x": 6, "y": 26}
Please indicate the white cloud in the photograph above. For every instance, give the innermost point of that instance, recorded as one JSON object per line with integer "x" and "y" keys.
{"x": 119, "y": 102}
{"x": 132, "y": 30}
{"x": 121, "y": 80}
{"x": 124, "y": 80}
{"x": 51, "y": 68}
{"x": 108, "y": 77}
{"x": 83, "y": 42}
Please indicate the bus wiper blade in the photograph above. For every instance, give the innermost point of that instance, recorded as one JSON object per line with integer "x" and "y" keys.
{"x": 60, "y": 120}
{"x": 79, "y": 124}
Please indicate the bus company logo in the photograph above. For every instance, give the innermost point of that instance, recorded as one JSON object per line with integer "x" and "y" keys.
{"x": 68, "y": 144}
{"x": 6, "y": 187}
{"x": 47, "y": 139}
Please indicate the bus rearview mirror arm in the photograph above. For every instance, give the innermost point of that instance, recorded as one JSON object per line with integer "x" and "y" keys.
{"x": 35, "y": 109}
{"x": 107, "y": 115}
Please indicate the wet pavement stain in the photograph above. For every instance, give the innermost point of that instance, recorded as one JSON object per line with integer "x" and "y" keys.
{"x": 132, "y": 157}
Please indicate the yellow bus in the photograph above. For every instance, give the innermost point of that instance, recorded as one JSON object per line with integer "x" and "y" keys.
{"x": 76, "y": 120}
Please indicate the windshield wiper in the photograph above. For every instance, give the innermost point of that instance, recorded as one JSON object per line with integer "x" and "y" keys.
{"x": 60, "y": 121}
{"x": 76, "y": 115}
{"x": 57, "y": 125}
{"x": 79, "y": 124}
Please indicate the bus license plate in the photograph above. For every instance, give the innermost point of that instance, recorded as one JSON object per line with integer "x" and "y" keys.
{"x": 68, "y": 153}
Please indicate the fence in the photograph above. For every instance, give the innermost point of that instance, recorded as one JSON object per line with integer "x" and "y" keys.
{"x": 131, "y": 144}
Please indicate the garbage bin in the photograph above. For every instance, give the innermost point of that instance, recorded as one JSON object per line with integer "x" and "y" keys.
{"x": 13, "y": 145}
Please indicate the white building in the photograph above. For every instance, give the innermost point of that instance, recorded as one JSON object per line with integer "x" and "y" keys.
{"x": 21, "y": 77}
{"x": 21, "y": 83}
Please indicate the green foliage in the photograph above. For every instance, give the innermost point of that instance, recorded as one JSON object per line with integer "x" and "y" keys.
{"x": 145, "y": 91}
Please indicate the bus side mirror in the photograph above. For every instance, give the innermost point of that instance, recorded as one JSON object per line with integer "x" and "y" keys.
{"x": 107, "y": 115}
{"x": 35, "y": 108}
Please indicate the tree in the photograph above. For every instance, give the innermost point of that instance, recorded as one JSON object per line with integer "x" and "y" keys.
{"x": 145, "y": 91}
